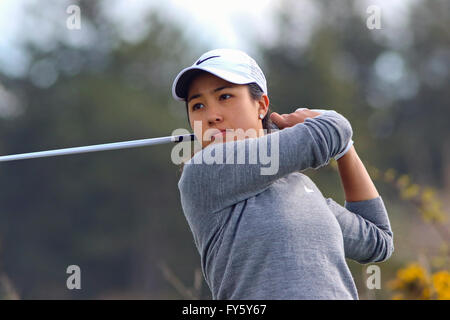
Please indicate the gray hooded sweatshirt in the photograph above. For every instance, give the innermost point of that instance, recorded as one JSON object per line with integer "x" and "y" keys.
{"x": 275, "y": 236}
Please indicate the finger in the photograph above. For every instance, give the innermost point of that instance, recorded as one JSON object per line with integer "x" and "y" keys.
{"x": 319, "y": 110}
{"x": 277, "y": 119}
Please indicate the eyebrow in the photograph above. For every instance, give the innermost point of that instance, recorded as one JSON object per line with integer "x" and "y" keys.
{"x": 215, "y": 90}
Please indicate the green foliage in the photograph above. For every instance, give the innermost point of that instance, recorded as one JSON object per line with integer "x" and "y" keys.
{"x": 117, "y": 214}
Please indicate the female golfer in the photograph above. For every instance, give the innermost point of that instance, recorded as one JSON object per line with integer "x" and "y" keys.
{"x": 272, "y": 235}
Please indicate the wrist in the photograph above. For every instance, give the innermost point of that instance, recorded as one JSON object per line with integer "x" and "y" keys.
{"x": 346, "y": 150}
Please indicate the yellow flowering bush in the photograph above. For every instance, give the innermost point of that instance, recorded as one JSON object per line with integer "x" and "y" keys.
{"x": 441, "y": 283}
{"x": 413, "y": 282}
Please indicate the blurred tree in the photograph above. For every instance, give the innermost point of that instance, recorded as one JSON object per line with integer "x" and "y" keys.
{"x": 391, "y": 83}
{"x": 115, "y": 214}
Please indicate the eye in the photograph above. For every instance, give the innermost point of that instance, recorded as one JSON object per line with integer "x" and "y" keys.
{"x": 225, "y": 96}
{"x": 194, "y": 107}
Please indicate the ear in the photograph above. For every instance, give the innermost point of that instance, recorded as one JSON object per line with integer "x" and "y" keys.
{"x": 263, "y": 104}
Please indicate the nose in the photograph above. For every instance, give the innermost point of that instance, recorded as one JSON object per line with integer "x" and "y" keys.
{"x": 214, "y": 116}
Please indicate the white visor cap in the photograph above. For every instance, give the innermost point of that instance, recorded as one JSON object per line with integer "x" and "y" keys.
{"x": 232, "y": 65}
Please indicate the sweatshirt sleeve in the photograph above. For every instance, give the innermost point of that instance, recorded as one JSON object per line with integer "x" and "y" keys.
{"x": 210, "y": 186}
{"x": 366, "y": 229}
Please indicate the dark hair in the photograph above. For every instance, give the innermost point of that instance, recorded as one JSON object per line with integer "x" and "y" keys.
{"x": 255, "y": 93}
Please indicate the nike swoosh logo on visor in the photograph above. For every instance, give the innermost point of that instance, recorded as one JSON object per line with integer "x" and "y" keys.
{"x": 201, "y": 61}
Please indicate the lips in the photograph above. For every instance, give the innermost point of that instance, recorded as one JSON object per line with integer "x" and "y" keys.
{"x": 222, "y": 132}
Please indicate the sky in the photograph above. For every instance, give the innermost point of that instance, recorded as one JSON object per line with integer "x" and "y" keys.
{"x": 218, "y": 21}
{"x": 218, "y": 25}
{"x": 213, "y": 23}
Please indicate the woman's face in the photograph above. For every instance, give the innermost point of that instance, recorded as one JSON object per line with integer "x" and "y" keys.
{"x": 219, "y": 104}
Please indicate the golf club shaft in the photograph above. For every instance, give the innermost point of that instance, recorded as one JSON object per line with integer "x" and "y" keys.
{"x": 99, "y": 147}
